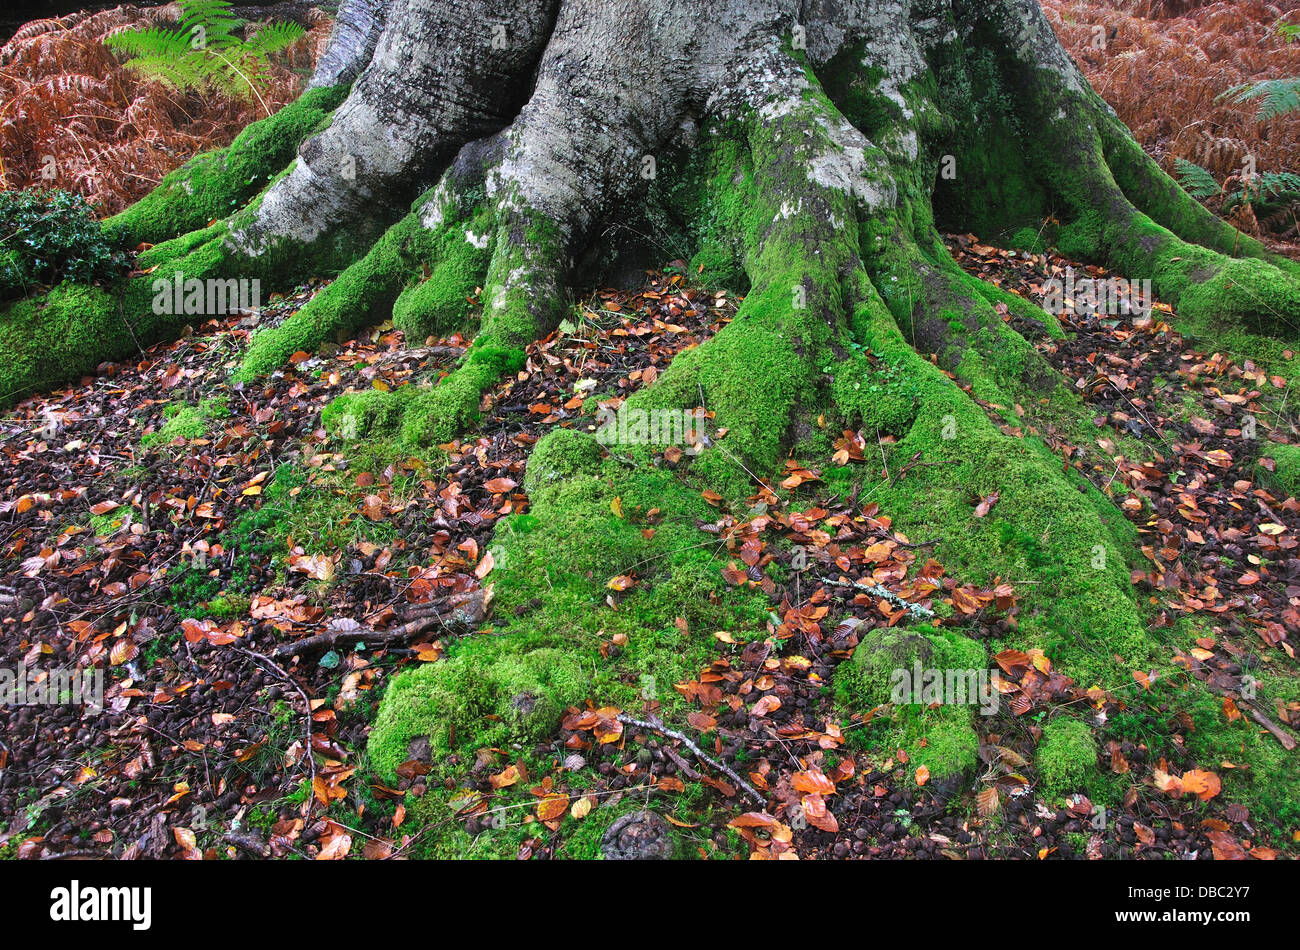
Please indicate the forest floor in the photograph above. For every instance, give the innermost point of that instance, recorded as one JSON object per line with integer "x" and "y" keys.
{"x": 251, "y": 583}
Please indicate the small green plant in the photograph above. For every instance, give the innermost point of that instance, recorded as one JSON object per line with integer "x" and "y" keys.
{"x": 186, "y": 422}
{"x": 204, "y": 52}
{"x": 1272, "y": 194}
{"x": 48, "y": 236}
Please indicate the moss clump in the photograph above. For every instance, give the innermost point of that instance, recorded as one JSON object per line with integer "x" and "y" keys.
{"x": 218, "y": 183}
{"x": 1286, "y": 468}
{"x": 944, "y": 741}
{"x": 57, "y": 336}
{"x": 871, "y": 678}
{"x": 1029, "y": 239}
{"x": 883, "y": 670}
{"x": 186, "y": 422}
{"x": 357, "y": 414}
{"x": 1067, "y": 755}
{"x": 486, "y": 694}
{"x": 440, "y": 414}
{"x": 561, "y": 455}
{"x": 109, "y": 522}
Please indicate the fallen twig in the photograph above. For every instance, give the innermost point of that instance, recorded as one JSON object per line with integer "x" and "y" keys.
{"x": 687, "y": 741}
{"x": 457, "y": 612}
{"x": 917, "y": 611}
{"x": 1282, "y": 736}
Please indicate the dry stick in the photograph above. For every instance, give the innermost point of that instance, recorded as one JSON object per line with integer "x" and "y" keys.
{"x": 428, "y": 616}
{"x": 686, "y": 740}
{"x": 1283, "y": 737}
{"x": 246, "y": 841}
{"x": 916, "y": 610}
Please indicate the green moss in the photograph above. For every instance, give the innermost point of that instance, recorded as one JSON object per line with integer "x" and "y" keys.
{"x": 1029, "y": 239}
{"x": 1265, "y": 775}
{"x": 218, "y": 183}
{"x": 354, "y": 415}
{"x": 109, "y": 522}
{"x": 439, "y": 414}
{"x": 383, "y": 283}
{"x": 48, "y": 339}
{"x": 870, "y": 678}
{"x": 943, "y": 738}
{"x": 459, "y": 263}
{"x": 485, "y": 694}
{"x": 1058, "y": 531}
{"x": 1067, "y": 755}
{"x": 186, "y": 422}
{"x": 562, "y": 455}
{"x": 951, "y": 745}
{"x": 1286, "y": 468}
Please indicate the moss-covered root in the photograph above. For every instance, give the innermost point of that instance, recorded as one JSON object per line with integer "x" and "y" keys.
{"x": 1157, "y": 195}
{"x": 551, "y": 600}
{"x": 216, "y": 184}
{"x": 1257, "y": 292}
{"x": 423, "y": 273}
{"x": 57, "y": 336}
{"x": 1118, "y": 209}
{"x": 523, "y": 300}
{"x": 781, "y": 185}
{"x": 1051, "y": 534}
{"x": 1210, "y": 291}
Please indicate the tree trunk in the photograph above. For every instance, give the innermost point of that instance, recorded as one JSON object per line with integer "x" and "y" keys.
{"x": 804, "y": 151}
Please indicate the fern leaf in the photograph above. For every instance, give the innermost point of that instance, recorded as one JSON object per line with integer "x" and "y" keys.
{"x": 1196, "y": 181}
{"x": 148, "y": 41}
{"x": 1277, "y": 96}
{"x": 273, "y": 37}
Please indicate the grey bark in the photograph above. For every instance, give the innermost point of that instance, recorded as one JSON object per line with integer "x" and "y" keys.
{"x": 352, "y": 42}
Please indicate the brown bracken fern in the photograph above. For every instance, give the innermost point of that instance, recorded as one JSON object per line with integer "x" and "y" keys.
{"x": 72, "y": 117}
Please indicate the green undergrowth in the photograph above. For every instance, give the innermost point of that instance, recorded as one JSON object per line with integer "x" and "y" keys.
{"x": 436, "y": 410}
{"x": 564, "y": 553}
{"x": 1285, "y": 476}
{"x": 187, "y": 422}
{"x": 1053, "y": 535}
{"x": 1181, "y": 719}
{"x": 1067, "y": 754}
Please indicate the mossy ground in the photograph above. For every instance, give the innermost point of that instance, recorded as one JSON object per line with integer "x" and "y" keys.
{"x": 185, "y": 422}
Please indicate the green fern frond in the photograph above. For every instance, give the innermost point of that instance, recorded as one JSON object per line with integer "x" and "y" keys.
{"x": 223, "y": 63}
{"x": 213, "y": 17}
{"x": 274, "y": 37}
{"x": 1279, "y": 184}
{"x": 148, "y": 41}
{"x": 1277, "y": 96}
{"x": 1196, "y": 181}
{"x": 178, "y": 73}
